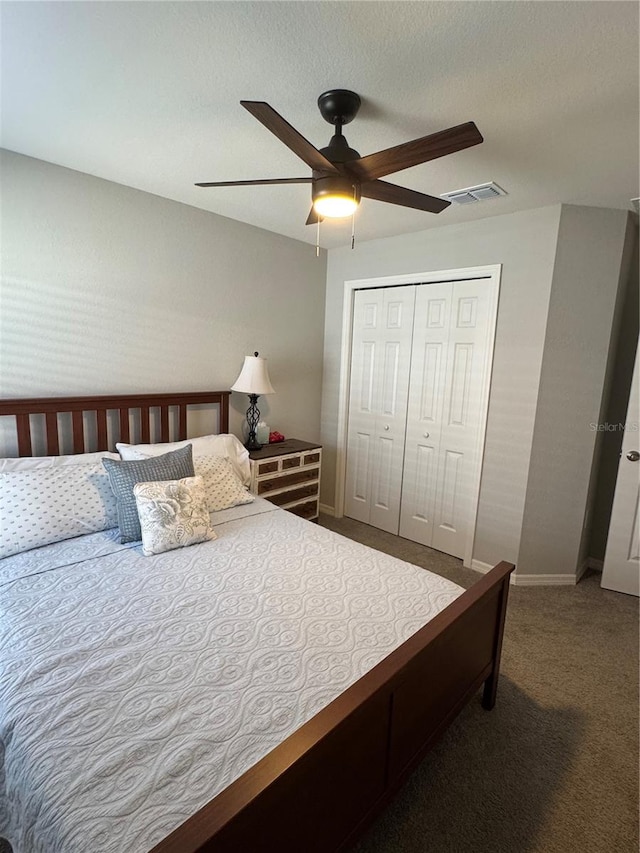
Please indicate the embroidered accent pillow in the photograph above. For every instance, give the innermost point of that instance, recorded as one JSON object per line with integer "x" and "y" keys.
{"x": 124, "y": 475}
{"x": 45, "y": 505}
{"x": 173, "y": 514}
{"x": 222, "y": 485}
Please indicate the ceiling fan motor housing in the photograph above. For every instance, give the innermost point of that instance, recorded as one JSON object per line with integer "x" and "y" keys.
{"x": 331, "y": 185}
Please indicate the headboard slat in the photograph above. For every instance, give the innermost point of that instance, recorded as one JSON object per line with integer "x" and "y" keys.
{"x": 182, "y": 422}
{"x": 51, "y": 420}
{"x": 138, "y": 406}
{"x": 164, "y": 423}
{"x": 24, "y": 434}
{"x": 78, "y": 432}
{"x": 103, "y": 441}
{"x": 145, "y": 436}
{"x": 124, "y": 425}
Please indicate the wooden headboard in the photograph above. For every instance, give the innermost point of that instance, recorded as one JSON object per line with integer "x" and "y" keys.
{"x": 142, "y": 408}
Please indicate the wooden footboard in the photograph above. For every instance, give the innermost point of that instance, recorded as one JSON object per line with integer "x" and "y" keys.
{"x": 320, "y": 788}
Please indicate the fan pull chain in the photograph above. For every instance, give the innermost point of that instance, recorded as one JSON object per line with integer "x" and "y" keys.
{"x": 353, "y": 223}
{"x": 318, "y": 239}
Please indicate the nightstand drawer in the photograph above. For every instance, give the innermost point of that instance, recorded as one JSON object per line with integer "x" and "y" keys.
{"x": 285, "y": 481}
{"x": 269, "y": 467}
{"x": 293, "y": 495}
{"x": 306, "y": 510}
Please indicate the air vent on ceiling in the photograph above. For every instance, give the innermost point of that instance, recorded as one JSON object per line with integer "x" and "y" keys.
{"x": 469, "y": 195}
{"x": 636, "y": 204}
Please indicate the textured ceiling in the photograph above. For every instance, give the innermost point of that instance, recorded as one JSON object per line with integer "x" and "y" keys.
{"x": 146, "y": 94}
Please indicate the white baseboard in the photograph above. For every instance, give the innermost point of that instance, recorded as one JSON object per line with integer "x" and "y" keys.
{"x": 529, "y": 580}
{"x": 327, "y": 510}
{"x": 481, "y": 567}
{"x": 544, "y": 580}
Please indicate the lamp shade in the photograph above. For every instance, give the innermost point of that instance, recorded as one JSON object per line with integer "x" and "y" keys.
{"x": 254, "y": 377}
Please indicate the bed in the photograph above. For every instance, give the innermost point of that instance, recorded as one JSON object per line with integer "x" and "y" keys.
{"x": 267, "y": 690}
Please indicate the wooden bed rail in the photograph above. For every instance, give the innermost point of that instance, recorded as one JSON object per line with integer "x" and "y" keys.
{"x": 140, "y": 406}
{"x": 320, "y": 788}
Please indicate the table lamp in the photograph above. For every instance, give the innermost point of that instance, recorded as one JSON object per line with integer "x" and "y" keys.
{"x": 253, "y": 380}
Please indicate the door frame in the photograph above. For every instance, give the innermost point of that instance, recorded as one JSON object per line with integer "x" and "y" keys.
{"x": 490, "y": 274}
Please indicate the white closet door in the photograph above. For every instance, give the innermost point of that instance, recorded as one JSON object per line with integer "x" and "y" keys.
{"x": 381, "y": 357}
{"x": 465, "y": 390}
{"x": 424, "y": 415}
{"x": 452, "y": 334}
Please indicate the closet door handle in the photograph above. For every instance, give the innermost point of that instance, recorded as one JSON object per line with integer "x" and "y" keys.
{"x": 386, "y": 426}
{"x": 426, "y": 435}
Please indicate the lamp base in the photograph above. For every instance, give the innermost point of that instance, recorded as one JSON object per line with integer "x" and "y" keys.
{"x": 253, "y": 416}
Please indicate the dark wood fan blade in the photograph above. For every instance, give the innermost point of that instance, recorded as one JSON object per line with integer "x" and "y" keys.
{"x": 382, "y": 191}
{"x": 418, "y": 151}
{"x": 256, "y": 183}
{"x": 274, "y": 122}
{"x": 313, "y": 218}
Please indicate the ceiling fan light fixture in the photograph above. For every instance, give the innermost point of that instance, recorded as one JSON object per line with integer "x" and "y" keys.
{"x": 335, "y": 197}
{"x": 335, "y": 206}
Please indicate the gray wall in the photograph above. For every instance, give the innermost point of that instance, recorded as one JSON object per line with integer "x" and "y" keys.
{"x": 617, "y": 385}
{"x": 589, "y": 282}
{"x": 525, "y": 244}
{"x": 106, "y": 289}
{"x": 586, "y": 285}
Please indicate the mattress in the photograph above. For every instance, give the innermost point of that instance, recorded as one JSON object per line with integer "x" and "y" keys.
{"x": 133, "y": 689}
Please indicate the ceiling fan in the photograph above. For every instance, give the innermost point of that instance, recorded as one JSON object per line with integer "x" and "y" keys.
{"x": 340, "y": 176}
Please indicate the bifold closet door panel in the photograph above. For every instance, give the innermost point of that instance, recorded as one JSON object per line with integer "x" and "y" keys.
{"x": 461, "y": 427}
{"x": 429, "y": 357}
{"x": 380, "y": 365}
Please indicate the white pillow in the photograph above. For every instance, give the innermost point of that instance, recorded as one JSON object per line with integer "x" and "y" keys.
{"x": 222, "y": 485}
{"x": 45, "y": 505}
{"x": 173, "y": 514}
{"x": 205, "y": 445}
{"x": 33, "y": 463}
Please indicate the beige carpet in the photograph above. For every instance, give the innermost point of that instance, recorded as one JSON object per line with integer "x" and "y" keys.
{"x": 554, "y": 767}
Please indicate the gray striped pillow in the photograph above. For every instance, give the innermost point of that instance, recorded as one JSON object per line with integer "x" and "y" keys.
{"x": 124, "y": 475}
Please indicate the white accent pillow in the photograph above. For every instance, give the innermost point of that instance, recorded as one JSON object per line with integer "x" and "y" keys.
{"x": 33, "y": 463}
{"x": 222, "y": 485}
{"x": 173, "y": 514}
{"x": 205, "y": 445}
{"x": 45, "y": 505}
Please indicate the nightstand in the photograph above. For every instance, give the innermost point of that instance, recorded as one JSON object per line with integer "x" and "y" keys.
{"x": 288, "y": 474}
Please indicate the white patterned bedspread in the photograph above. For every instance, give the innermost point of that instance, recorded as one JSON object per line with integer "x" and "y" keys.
{"x": 133, "y": 689}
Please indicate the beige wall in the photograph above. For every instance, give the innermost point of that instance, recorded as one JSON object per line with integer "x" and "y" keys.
{"x": 106, "y": 289}
{"x": 524, "y": 243}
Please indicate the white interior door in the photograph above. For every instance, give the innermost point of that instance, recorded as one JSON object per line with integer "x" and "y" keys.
{"x": 424, "y": 413}
{"x": 621, "y": 570}
{"x": 449, "y": 388}
{"x": 381, "y": 357}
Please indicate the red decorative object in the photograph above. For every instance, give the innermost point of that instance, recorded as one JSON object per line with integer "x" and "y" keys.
{"x": 275, "y": 437}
